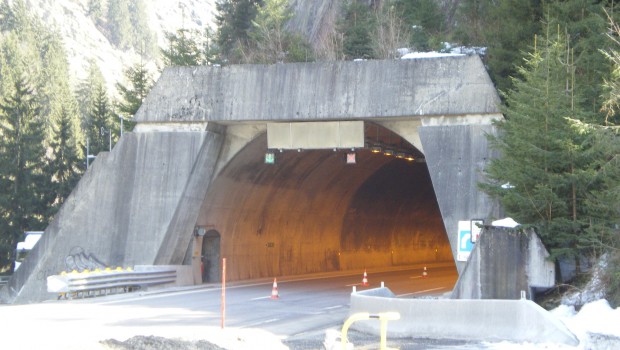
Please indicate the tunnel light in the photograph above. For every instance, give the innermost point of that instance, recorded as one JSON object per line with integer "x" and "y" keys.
{"x": 351, "y": 158}
{"x": 270, "y": 158}
{"x": 400, "y": 155}
{"x": 409, "y": 157}
{"x": 375, "y": 149}
{"x": 388, "y": 152}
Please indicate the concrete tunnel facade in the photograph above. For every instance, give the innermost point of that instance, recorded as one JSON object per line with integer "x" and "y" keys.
{"x": 196, "y": 159}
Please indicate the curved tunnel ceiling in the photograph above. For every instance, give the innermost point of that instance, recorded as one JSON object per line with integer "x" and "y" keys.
{"x": 312, "y": 212}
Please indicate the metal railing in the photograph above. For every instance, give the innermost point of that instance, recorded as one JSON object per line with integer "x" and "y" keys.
{"x": 108, "y": 281}
{"x": 4, "y": 280}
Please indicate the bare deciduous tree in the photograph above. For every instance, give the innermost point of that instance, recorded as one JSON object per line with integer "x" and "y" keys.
{"x": 390, "y": 33}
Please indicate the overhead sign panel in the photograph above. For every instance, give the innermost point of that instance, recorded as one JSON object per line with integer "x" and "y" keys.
{"x": 315, "y": 135}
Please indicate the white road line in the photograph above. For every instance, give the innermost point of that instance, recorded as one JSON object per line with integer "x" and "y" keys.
{"x": 259, "y": 323}
{"x": 259, "y": 298}
{"x": 333, "y": 307}
{"x": 421, "y": 291}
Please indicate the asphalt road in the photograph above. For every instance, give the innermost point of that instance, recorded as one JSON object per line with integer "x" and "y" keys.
{"x": 304, "y": 304}
{"x": 306, "y": 307}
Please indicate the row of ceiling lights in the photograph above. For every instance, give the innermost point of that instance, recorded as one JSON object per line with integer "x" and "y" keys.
{"x": 376, "y": 149}
{"x": 388, "y": 151}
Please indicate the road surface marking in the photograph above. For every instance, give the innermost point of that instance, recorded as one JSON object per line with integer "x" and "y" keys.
{"x": 259, "y": 323}
{"x": 421, "y": 291}
{"x": 332, "y": 307}
{"x": 259, "y": 298}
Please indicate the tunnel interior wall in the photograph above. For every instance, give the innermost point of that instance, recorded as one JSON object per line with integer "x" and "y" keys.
{"x": 393, "y": 219}
{"x": 310, "y": 212}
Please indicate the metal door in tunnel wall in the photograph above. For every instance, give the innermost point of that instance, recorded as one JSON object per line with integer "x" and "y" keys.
{"x": 211, "y": 257}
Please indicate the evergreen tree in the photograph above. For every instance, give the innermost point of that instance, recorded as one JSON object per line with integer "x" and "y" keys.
{"x": 234, "y": 22}
{"x": 30, "y": 49}
{"x": 611, "y": 83}
{"x": 22, "y": 177}
{"x": 132, "y": 95}
{"x": 272, "y": 42}
{"x": 505, "y": 27}
{"x": 184, "y": 49}
{"x": 144, "y": 40}
{"x": 602, "y": 203}
{"x": 119, "y": 24}
{"x": 547, "y": 166}
{"x": 268, "y": 30}
{"x": 87, "y": 93}
{"x": 426, "y": 20}
{"x": 585, "y": 23}
{"x": 100, "y": 122}
{"x": 66, "y": 163}
{"x": 356, "y": 28}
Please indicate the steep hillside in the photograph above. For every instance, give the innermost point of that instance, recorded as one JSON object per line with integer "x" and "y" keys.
{"x": 84, "y": 41}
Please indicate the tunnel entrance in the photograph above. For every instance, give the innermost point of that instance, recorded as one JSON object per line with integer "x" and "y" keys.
{"x": 211, "y": 257}
{"x": 315, "y": 211}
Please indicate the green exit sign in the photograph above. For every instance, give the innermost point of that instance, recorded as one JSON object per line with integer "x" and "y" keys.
{"x": 270, "y": 158}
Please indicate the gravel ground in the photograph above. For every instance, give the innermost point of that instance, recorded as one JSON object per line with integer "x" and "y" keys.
{"x": 157, "y": 343}
{"x": 360, "y": 340}
{"x": 308, "y": 341}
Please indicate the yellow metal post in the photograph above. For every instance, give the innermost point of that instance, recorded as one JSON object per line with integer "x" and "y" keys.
{"x": 383, "y": 318}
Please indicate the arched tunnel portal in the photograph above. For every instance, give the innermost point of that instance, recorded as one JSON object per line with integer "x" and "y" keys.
{"x": 196, "y": 158}
{"x": 313, "y": 212}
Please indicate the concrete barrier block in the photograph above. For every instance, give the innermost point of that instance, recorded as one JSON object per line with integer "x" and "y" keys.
{"x": 475, "y": 319}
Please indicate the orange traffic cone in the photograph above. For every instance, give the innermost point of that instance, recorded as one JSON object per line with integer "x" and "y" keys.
{"x": 274, "y": 290}
{"x": 365, "y": 279}
{"x": 424, "y": 273}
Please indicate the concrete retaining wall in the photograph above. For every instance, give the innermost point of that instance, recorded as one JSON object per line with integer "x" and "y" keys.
{"x": 121, "y": 210}
{"x": 505, "y": 262}
{"x": 476, "y": 320}
{"x": 456, "y": 156}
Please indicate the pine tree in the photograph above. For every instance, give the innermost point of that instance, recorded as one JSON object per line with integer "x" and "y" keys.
{"x": 144, "y": 40}
{"x": 426, "y": 20}
{"x": 547, "y": 166}
{"x": 119, "y": 24}
{"x": 356, "y": 28}
{"x": 86, "y": 93}
{"x": 22, "y": 177}
{"x": 271, "y": 41}
{"x": 268, "y": 30}
{"x": 66, "y": 164}
{"x": 132, "y": 95}
{"x": 184, "y": 49}
{"x": 584, "y": 22}
{"x": 505, "y": 27}
{"x": 234, "y": 22}
{"x": 101, "y": 119}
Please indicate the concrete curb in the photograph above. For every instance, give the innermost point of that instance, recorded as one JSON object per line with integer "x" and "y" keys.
{"x": 473, "y": 319}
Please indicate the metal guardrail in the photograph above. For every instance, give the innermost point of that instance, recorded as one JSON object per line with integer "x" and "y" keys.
{"x": 108, "y": 281}
{"x": 4, "y": 280}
